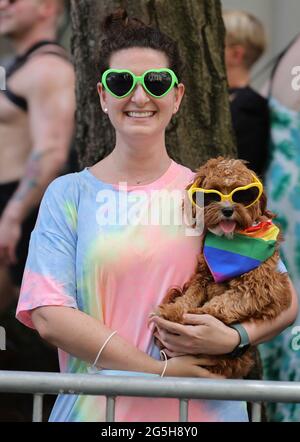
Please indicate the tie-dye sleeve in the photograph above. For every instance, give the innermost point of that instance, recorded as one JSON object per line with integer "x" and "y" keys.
{"x": 49, "y": 277}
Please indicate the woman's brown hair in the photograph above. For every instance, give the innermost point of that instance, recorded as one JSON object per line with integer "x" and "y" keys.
{"x": 122, "y": 32}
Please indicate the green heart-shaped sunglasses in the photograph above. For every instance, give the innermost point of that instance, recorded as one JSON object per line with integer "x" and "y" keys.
{"x": 156, "y": 82}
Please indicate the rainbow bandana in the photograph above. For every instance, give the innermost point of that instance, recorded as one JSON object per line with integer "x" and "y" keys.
{"x": 228, "y": 258}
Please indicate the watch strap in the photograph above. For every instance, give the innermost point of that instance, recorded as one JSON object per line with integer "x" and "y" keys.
{"x": 244, "y": 343}
{"x": 244, "y": 337}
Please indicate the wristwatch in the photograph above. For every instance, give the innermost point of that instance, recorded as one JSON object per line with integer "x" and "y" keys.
{"x": 244, "y": 343}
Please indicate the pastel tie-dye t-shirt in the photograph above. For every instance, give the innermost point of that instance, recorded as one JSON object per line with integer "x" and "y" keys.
{"x": 113, "y": 251}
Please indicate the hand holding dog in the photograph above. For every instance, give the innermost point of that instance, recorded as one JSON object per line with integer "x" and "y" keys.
{"x": 200, "y": 334}
{"x": 191, "y": 366}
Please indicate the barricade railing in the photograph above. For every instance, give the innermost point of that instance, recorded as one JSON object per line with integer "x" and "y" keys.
{"x": 184, "y": 389}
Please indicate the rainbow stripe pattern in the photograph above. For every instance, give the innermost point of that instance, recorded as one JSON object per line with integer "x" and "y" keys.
{"x": 229, "y": 258}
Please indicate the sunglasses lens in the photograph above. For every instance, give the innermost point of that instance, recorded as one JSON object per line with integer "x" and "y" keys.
{"x": 204, "y": 199}
{"x": 119, "y": 83}
{"x": 211, "y": 198}
{"x": 247, "y": 196}
{"x": 158, "y": 83}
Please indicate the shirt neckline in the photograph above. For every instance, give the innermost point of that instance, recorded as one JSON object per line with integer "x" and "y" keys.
{"x": 159, "y": 183}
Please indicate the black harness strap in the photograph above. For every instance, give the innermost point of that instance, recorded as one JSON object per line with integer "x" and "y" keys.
{"x": 16, "y": 99}
{"x": 18, "y": 62}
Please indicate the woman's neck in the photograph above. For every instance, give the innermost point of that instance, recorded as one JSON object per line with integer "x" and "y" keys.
{"x": 135, "y": 163}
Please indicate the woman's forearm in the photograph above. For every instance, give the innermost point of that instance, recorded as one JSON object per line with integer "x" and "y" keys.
{"x": 82, "y": 336}
{"x": 261, "y": 331}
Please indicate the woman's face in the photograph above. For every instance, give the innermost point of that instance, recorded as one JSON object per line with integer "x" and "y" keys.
{"x": 140, "y": 114}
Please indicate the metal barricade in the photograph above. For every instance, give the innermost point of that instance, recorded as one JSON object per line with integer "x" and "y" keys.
{"x": 183, "y": 389}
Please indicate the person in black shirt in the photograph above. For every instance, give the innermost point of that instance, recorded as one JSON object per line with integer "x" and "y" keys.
{"x": 245, "y": 43}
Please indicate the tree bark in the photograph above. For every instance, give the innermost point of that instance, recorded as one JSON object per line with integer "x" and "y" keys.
{"x": 202, "y": 128}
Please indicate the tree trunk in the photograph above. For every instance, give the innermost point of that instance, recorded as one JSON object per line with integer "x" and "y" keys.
{"x": 202, "y": 128}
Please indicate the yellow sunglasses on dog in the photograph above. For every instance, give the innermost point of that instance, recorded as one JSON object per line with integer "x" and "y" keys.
{"x": 246, "y": 195}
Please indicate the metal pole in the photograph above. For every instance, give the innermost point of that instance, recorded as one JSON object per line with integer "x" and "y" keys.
{"x": 183, "y": 410}
{"x": 110, "y": 408}
{"x": 37, "y": 415}
{"x": 180, "y": 388}
{"x": 256, "y": 412}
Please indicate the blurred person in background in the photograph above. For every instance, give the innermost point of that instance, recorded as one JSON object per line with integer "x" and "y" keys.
{"x": 244, "y": 44}
{"x": 36, "y": 127}
{"x": 281, "y": 356}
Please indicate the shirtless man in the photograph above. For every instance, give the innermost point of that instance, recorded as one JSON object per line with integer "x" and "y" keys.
{"x": 36, "y": 124}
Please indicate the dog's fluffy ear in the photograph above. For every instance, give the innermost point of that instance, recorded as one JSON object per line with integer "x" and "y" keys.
{"x": 201, "y": 173}
{"x": 263, "y": 207}
{"x": 191, "y": 211}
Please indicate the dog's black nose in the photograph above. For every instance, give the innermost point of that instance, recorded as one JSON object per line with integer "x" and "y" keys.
{"x": 227, "y": 211}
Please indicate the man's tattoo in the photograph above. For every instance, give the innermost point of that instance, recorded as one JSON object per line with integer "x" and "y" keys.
{"x": 30, "y": 180}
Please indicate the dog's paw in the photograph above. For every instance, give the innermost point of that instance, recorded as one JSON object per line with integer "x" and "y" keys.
{"x": 171, "y": 312}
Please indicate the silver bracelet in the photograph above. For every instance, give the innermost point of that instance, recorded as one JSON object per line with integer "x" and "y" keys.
{"x": 93, "y": 368}
{"x": 166, "y": 363}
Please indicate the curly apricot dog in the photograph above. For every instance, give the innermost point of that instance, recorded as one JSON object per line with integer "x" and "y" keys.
{"x": 236, "y": 277}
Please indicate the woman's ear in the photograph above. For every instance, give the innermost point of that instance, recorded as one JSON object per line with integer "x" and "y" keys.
{"x": 47, "y": 9}
{"x": 102, "y": 97}
{"x": 179, "y": 93}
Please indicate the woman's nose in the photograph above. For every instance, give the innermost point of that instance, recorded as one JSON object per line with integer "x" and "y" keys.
{"x": 139, "y": 95}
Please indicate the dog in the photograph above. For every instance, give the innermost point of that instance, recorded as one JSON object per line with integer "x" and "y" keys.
{"x": 234, "y": 210}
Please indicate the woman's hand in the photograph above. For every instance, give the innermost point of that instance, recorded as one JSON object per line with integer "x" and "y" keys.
{"x": 201, "y": 334}
{"x": 190, "y": 366}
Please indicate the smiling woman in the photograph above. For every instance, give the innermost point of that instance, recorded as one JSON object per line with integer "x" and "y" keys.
{"x": 139, "y": 104}
{"x": 87, "y": 279}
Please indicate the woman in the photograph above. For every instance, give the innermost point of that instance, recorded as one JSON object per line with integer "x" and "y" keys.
{"x": 281, "y": 357}
{"x": 97, "y": 267}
